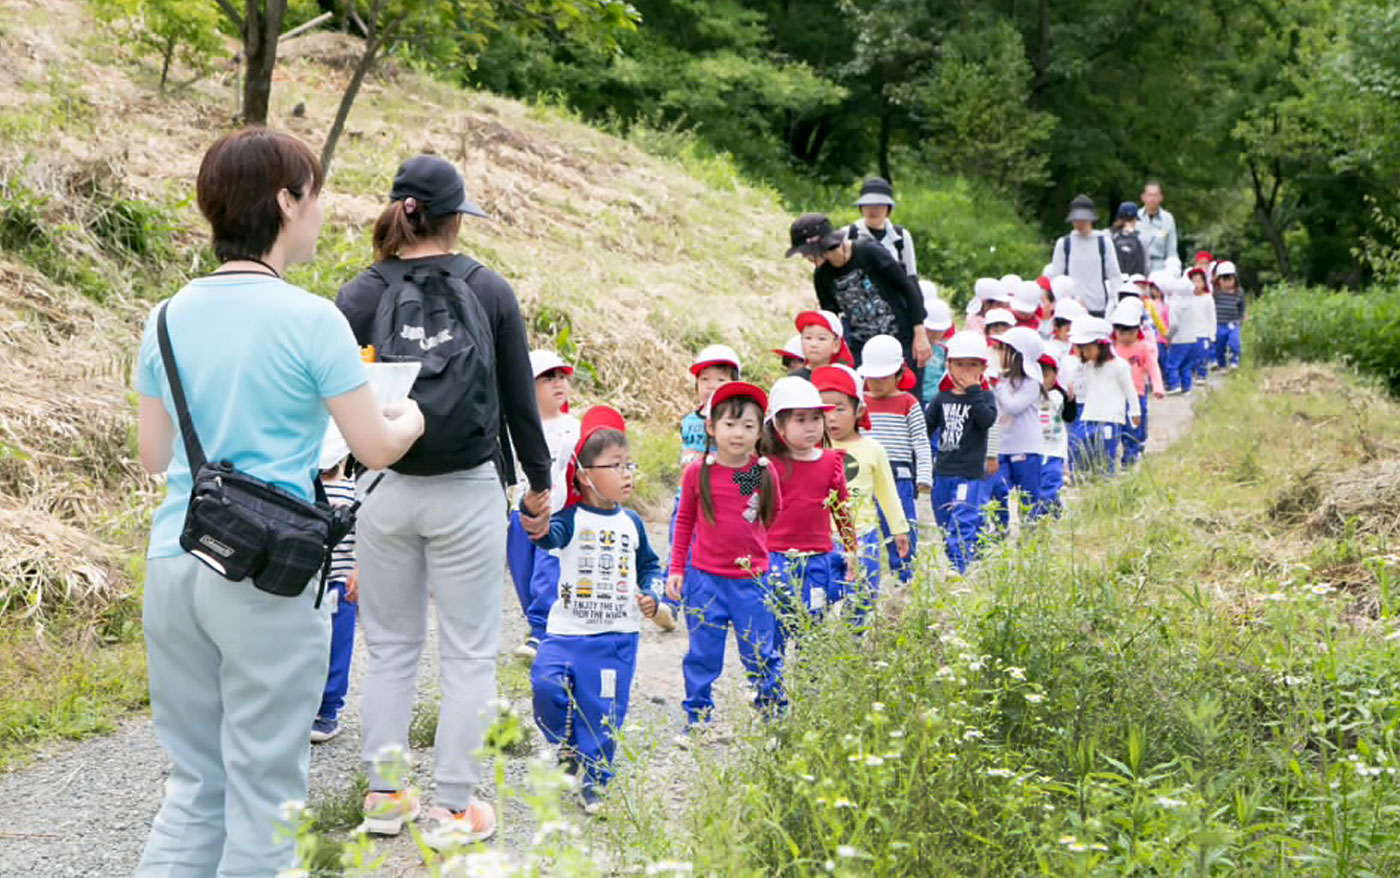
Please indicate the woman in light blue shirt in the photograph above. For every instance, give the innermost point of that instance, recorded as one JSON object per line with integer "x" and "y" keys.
{"x": 236, "y": 673}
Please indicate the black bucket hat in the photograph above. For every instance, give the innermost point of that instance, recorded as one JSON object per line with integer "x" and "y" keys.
{"x": 876, "y": 191}
{"x": 1082, "y": 208}
{"x": 812, "y": 235}
{"x": 435, "y": 184}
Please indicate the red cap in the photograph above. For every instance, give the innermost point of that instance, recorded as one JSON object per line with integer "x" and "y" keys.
{"x": 1204, "y": 254}
{"x": 841, "y": 379}
{"x": 737, "y": 389}
{"x": 1044, "y": 283}
{"x": 600, "y": 417}
{"x": 1195, "y": 269}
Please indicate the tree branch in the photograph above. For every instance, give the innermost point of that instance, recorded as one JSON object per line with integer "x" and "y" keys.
{"x": 234, "y": 15}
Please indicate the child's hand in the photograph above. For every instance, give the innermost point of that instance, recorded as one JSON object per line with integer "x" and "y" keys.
{"x": 1159, "y": 394}
{"x": 648, "y": 605}
{"x": 352, "y": 586}
{"x": 901, "y": 545}
{"x": 1137, "y": 422}
{"x": 992, "y": 466}
{"x": 674, "y": 584}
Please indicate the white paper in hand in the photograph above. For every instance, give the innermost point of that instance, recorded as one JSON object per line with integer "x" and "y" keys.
{"x": 390, "y": 383}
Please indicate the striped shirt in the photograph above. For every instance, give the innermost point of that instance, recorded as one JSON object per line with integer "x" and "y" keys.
{"x": 897, "y": 423}
{"x": 341, "y": 492}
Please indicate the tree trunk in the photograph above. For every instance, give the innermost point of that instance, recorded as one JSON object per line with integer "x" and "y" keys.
{"x": 347, "y": 100}
{"x": 262, "y": 25}
{"x": 165, "y": 62}
{"x": 1265, "y": 212}
{"x": 886, "y": 132}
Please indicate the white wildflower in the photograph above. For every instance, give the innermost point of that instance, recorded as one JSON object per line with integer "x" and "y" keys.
{"x": 1000, "y": 772}
{"x": 1016, "y": 673}
{"x": 1034, "y": 697}
{"x": 873, "y": 761}
{"x": 970, "y": 734}
{"x": 897, "y": 733}
{"x": 846, "y": 851}
{"x": 1276, "y": 596}
{"x": 1290, "y": 680}
{"x": 1169, "y": 802}
{"x": 292, "y": 810}
{"x": 1068, "y": 839}
{"x": 670, "y": 867}
{"x": 843, "y": 802}
{"x": 882, "y": 665}
{"x": 1322, "y": 588}
{"x": 877, "y": 706}
{"x": 294, "y": 873}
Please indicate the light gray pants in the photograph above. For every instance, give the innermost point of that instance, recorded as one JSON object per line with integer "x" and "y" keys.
{"x": 236, "y": 677}
{"x": 446, "y": 535}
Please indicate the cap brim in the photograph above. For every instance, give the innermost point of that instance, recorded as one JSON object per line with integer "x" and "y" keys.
{"x": 470, "y": 208}
{"x": 810, "y": 248}
{"x": 879, "y": 371}
{"x": 874, "y": 201}
{"x": 1082, "y": 214}
{"x": 1033, "y": 371}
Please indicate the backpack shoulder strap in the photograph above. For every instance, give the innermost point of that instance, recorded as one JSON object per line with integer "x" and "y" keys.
{"x": 1103, "y": 255}
{"x": 853, "y": 232}
{"x": 391, "y": 271}
{"x": 898, "y": 241}
{"x": 1064, "y": 245}
{"x": 194, "y": 452}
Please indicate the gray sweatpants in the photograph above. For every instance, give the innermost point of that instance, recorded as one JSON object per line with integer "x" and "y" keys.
{"x": 446, "y": 535}
{"x": 236, "y": 677}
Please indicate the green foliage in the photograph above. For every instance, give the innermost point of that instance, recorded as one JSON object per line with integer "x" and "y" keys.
{"x": 1318, "y": 325}
{"x": 170, "y": 29}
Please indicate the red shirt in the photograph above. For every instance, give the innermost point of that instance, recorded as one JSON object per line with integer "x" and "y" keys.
{"x": 732, "y": 546}
{"x": 804, "y": 524}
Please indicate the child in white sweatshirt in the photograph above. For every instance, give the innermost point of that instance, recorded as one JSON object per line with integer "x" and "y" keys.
{"x": 1104, "y": 388}
{"x": 1204, "y": 315}
{"x": 1018, "y": 414}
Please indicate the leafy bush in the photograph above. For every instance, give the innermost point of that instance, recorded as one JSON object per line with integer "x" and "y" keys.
{"x": 1319, "y": 325}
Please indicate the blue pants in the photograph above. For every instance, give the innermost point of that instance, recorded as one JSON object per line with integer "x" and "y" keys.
{"x": 582, "y": 686}
{"x": 957, "y": 507}
{"x": 1135, "y": 438}
{"x": 1162, "y": 361}
{"x": 800, "y": 587}
{"x": 342, "y": 649}
{"x": 908, "y": 496}
{"x": 671, "y": 541}
{"x": 1099, "y": 451}
{"x": 1017, "y": 471}
{"x": 1180, "y": 358}
{"x": 535, "y": 574}
{"x": 713, "y": 605}
{"x": 1227, "y": 344}
{"x": 1202, "y": 362}
{"x": 1052, "y": 481}
{"x": 861, "y": 586}
{"x": 1077, "y": 438}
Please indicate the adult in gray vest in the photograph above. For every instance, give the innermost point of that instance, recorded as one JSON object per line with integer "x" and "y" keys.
{"x": 876, "y": 203}
{"x": 1157, "y": 228}
{"x": 1087, "y": 255}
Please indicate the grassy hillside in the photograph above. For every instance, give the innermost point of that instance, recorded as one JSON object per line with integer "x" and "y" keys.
{"x": 626, "y": 262}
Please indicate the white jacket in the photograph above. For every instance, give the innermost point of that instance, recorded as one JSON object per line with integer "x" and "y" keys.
{"x": 1106, "y": 393}
{"x": 1182, "y": 329}
{"x": 1204, "y": 316}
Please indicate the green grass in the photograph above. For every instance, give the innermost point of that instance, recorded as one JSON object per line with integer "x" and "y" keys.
{"x": 70, "y": 685}
{"x": 1174, "y": 680}
{"x": 1320, "y": 325}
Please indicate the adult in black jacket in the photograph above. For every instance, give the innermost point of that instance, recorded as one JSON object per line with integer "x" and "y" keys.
{"x": 865, "y": 286}
{"x": 438, "y": 520}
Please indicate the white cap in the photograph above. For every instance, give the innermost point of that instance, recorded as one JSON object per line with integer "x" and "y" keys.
{"x": 826, "y": 319}
{"x": 1049, "y": 267}
{"x": 1068, "y": 309}
{"x": 1137, "y": 279}
{"x": 333, "y": 452}
{"x": 985, "y": 288}
{"x": 1224, "y": 268}
{"x": 545, "y": 361}
{"x": 939, "y": 317}
{"x": 929, "y": 290}
{"x": 793, "y": 348}
{"x": 968, "y": 345}
{"x": 1161, "y": 279}
{"x": 1184, "y": 285}
{"x": 791, "y": 393}
{"x": 1089, "y": 329}
{"x": 999, "y": 315}
{"x": 973, "y": 306}
{"x": 1026, "y": 297}
{"x": 1028, "y": 343}
{"x": 881, "y": 357}
{"x": 1128, "y": 288}
{"x": 1062, "y": 286}
{"x": 715, "y": 355}
{"x": 1127, "y": 313}
{"x": 1009, "y": 281}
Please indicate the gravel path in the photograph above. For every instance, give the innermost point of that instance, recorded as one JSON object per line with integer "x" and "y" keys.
{"x": 83, "y": 809}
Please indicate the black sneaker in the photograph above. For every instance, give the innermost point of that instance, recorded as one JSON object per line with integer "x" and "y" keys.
{"x": 323, "y": 729}
{"x": 591, "y": 796}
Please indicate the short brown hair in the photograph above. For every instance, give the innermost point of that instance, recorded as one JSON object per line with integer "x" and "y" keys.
{"x": 239, "y": 179}
{"x": 396, "y": 229}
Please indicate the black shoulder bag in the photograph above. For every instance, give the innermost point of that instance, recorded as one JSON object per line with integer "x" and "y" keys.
{"x": 240, "y": 526}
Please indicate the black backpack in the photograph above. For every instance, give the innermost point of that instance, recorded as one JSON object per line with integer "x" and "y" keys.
{"x": 1132, "y": 258}
{"x": 428, "y": 314}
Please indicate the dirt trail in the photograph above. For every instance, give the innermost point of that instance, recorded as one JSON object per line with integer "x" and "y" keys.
{"x": 83, "y": 809}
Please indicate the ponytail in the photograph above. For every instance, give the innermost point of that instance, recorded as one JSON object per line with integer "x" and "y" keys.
{"x": 707, "y": 498}
{"x": 397, "y": 228}
{"x": 768, "y": 497}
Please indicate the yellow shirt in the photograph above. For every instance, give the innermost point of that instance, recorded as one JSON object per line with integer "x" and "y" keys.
{"x": 871, "y": 481}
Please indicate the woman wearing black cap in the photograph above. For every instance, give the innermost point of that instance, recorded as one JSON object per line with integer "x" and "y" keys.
{"x": 876, "y": 204}
{"x": 439, "y": 517}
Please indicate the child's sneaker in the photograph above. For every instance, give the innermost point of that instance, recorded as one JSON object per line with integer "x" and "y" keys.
{"x": 591, "y": 797}
{"x": 323, "y": 729}
{"x": 529, "y": 649}
{"x": 386, "y": 813}
{"x": 665, "y": 618}
{"x": 449, "y": 829}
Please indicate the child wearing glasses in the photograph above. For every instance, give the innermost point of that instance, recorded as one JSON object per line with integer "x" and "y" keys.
{"x": 609, "y": 578}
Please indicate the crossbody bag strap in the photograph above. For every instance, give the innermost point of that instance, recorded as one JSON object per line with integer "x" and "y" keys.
{"x": 194, "y": 452}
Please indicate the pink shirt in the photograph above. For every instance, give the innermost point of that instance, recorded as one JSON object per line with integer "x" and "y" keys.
{"x": 1142, "y": 357}
{"x": 804, "y": 524}
{"x": 735, "y": 544}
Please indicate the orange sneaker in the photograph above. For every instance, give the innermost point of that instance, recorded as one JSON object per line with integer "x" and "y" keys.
{"x": 386, "y": 813}
{"x": 449, "y": 829}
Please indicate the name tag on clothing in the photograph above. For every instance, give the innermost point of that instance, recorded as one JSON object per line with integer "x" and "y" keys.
{"x": 1018, "y": 458}
{"x": 607, "y": 683}
{"x": 1108, "y": 431}
{"x": 818, "y": 599}
{"x": 962, "y": 493}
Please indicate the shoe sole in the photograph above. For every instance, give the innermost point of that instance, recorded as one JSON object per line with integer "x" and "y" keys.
{"x": 459, "y": 839}
{"x": 323, "y": 737}
{"x": 390, "y": 825}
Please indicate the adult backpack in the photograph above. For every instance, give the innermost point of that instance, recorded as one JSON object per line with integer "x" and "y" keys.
{"x": 896, "y": 230}
{"x": 1132, "y": 258}
{"x": 1103, "y": 260}
{"x": 429, "y": 315}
